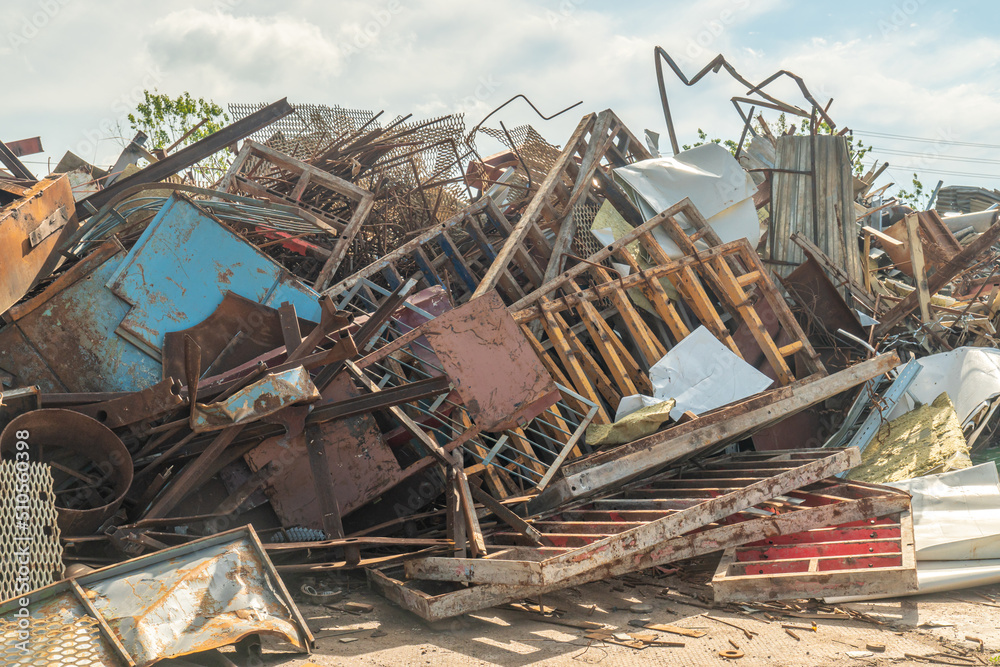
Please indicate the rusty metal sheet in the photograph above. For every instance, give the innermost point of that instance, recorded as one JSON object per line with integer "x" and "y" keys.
{"x": 199, "y": 596}
{"x": 244, "y": 329}
{"x": 72, "y": 330}
{"x": 813, "y": 291}
{"x": 101, "y": 327}
{"x": 498, "y": 375}
{"x": 30, "y": 230}
{"x": 21, "y": 365}
{"x": 268, "y": 395}
{"x": 23, "y": 147}
{"x": 362, "y": 466}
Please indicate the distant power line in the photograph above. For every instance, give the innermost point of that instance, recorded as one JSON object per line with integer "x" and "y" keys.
{"x": 905, "y": 137}
{"x": 950, "y": 158}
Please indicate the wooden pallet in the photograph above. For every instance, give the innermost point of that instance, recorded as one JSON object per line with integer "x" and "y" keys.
{"x": 665, "y": 520}
{"x": 874, "y": 556}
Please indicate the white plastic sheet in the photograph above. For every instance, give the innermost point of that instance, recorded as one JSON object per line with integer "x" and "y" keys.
{"x": 956, "y": 515}
{"x": 701, "y": 374}
{"x": 715, "y": 182}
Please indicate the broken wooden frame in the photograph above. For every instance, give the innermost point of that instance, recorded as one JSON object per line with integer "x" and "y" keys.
{"x": 455, "y": 254}
{"x": 707, "y": 433}
{"x": 875, "y": 556}
{"x": 249, "y": 174}
{"x": 573, "y": 325}
{"x": 599, "y": 140}
{"x": 691, "y": 499}
{"x": 621, "y": 515}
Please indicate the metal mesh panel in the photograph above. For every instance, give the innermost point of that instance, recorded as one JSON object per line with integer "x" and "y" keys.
{"x": 307, "y": 130}
{"x": 585, "y": 244}
{"x": 27, "y": 524}
{"x": 52, "y": 643}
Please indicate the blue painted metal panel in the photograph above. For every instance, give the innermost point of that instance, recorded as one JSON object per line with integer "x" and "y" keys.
{"x": 104, "y": 332}
{"x": 74, "y": 333}
{"x": 182, "y": 266}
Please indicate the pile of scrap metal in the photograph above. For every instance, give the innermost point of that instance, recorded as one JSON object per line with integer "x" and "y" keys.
{"x": 478, "y": 378}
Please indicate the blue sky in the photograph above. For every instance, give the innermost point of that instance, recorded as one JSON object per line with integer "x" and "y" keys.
{"x": 914, "y": 68}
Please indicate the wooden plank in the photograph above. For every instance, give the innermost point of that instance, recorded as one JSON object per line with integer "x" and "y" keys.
{"x": 600, "y": 140}
{"x": 535, "y": 208}
{"x": 917, "y": 265}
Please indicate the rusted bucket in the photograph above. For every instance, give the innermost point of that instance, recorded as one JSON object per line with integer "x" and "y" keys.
{"x": 83, "y": 445}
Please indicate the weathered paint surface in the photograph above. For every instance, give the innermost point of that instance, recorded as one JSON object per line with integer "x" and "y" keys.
{"x": 46, "y": 211}
{"x": 362, "y": 466}
{"x": 259, "y": 399}
{"x": 178, "y": 272}
{"x": 203, "y": 595}
{"x": 104, "y": 331}
{"x": 502, "y": 391}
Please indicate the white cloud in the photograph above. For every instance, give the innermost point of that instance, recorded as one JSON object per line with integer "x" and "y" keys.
{"x": 244, "y": 48}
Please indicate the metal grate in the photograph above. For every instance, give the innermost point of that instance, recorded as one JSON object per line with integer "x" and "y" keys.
{"x": 52, "y": 642}
{"x": 27, "y": 526}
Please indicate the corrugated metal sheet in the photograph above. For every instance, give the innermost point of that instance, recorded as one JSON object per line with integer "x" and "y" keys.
{"x": 819, "y": 207}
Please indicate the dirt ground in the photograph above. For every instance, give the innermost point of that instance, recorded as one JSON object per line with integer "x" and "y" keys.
{"x": 944, "y": 627}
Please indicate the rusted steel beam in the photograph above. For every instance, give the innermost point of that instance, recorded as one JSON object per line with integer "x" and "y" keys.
{"x": 187, "y": 156}
{"x": 10, "y": 161}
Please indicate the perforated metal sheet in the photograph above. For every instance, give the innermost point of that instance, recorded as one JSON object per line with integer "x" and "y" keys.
{"x": 51, "y": 642}
{"x": 28, "y": 530}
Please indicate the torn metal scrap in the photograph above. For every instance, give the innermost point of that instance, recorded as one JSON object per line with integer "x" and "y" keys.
{"x": 206, "y": 594}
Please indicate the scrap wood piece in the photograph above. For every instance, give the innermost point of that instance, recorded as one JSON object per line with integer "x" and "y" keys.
{"x": 916, "y": 248}
{"x": 538, "y": 206}
{"x": 707, "y": 433}
{"x": 438, "y": 606}
{"x": 941, "y": 277}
